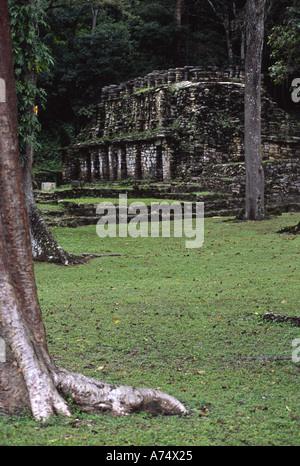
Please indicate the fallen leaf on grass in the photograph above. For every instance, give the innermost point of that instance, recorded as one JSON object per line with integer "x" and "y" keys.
{"x": 204, "y": 411}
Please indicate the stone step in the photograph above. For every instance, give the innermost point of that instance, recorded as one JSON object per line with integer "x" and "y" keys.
{"x": 74, "y": 215}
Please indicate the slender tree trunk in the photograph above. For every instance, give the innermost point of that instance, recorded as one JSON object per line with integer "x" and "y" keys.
{"x": 178, "y": 21}
{"x": 242, "y": 47}
{"x": 222, "y": 12}
{"x": 228, "y": 32}
{"x": 255, "y": 209}
{"x": 239, "y": 26}
{"x": 28, "y": 375}
{"x": 95, "y": 11}
{"x": 178, "y": 12}
{"x": 44, "y": 246}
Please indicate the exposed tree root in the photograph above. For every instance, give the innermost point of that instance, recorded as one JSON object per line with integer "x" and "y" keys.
{"x": 95, "y": 396}
{"x": 294, "y": 229}
{"x": 44, "y": 246}
{"x": 47, "y": 388}
{"x": 270, "y": 316}
{"x": 50, "y": 394}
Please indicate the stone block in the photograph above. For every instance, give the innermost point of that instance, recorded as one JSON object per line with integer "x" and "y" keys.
{"x": 48, "y": 186}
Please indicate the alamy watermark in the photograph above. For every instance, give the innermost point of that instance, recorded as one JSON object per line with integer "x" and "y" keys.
{"x": 2, "y": 350}
{"x": 162, "y": 219}
{"x": 296, "y": 352}
{"x": 296, "y": 91}
{"x": 2, "y": 91}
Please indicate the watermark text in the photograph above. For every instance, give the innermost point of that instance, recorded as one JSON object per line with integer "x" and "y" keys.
{"x": 162, "y": 219}
{"x": 2, "y": 350}
{"x": 2, "y": 91}
{"x": 296, "y": 352}
{"x": 296, "y": 91}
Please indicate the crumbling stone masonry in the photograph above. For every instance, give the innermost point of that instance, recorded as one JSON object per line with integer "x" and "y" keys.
{"x": 185, "y": 124}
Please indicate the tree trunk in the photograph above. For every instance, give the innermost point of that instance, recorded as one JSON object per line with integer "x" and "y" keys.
{"x": 227, "y": 27}
{"x": 178, "y": 12}
{"x": 178, "y": 21}
{"x": 95, "y": 11}
{"x": 222, "y": 12}
{"x": 242, "y": 47}
{"x": 28, "y": 376}
{"x": 45, "y": 248}
{"x": 255, "y": 208}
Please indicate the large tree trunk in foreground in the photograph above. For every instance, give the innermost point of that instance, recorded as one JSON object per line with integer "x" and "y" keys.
{"x": 28, "y": 375}
{"x": 255, "y": 208}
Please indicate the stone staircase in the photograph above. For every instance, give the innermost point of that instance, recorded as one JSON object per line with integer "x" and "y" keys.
{"x": 73, "y": 214}
{"x": 220, "y": 186}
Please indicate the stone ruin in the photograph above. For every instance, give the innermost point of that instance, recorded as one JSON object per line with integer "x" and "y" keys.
{"x": 185, "y": 124}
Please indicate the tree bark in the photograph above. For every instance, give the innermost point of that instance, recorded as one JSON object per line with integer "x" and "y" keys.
{"x": 178, "y": 12}
{"x": 44, "y": 246}
{"x": 242, "y": 47}
{"x": 95, "y": 11}
{"x": 28, "y": 375}
{"x": 178, "y": 21}
{"x": 227, "y": 27}
{"x": 255, "y": 208}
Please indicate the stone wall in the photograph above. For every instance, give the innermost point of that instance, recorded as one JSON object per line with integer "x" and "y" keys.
{"x": 179, "y": 124}
{"x": 282, "y": 180}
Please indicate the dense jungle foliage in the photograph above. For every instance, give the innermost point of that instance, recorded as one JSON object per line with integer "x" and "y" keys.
{"x": 77, "y": 47}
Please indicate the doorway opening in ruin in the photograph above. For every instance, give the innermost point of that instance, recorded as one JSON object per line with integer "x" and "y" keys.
{"x": 159, "y": 163}
{"x": 123, "y": 163}
{"x": 138, "y": 166}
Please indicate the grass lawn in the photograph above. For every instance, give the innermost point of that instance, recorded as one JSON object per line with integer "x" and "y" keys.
{"x": 186, "y": 321}
{"x": 115, "y": 200}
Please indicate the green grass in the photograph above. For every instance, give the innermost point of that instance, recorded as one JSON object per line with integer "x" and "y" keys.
{"x": 187, "y": 321}
{"x": 50, "y": 207}
{"x": 115, "y": 200}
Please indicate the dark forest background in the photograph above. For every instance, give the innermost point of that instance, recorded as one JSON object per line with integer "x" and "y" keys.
{"x": 97, "y": 43}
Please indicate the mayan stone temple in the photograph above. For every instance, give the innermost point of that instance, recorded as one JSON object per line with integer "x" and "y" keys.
{"x": 185, "y": 124}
